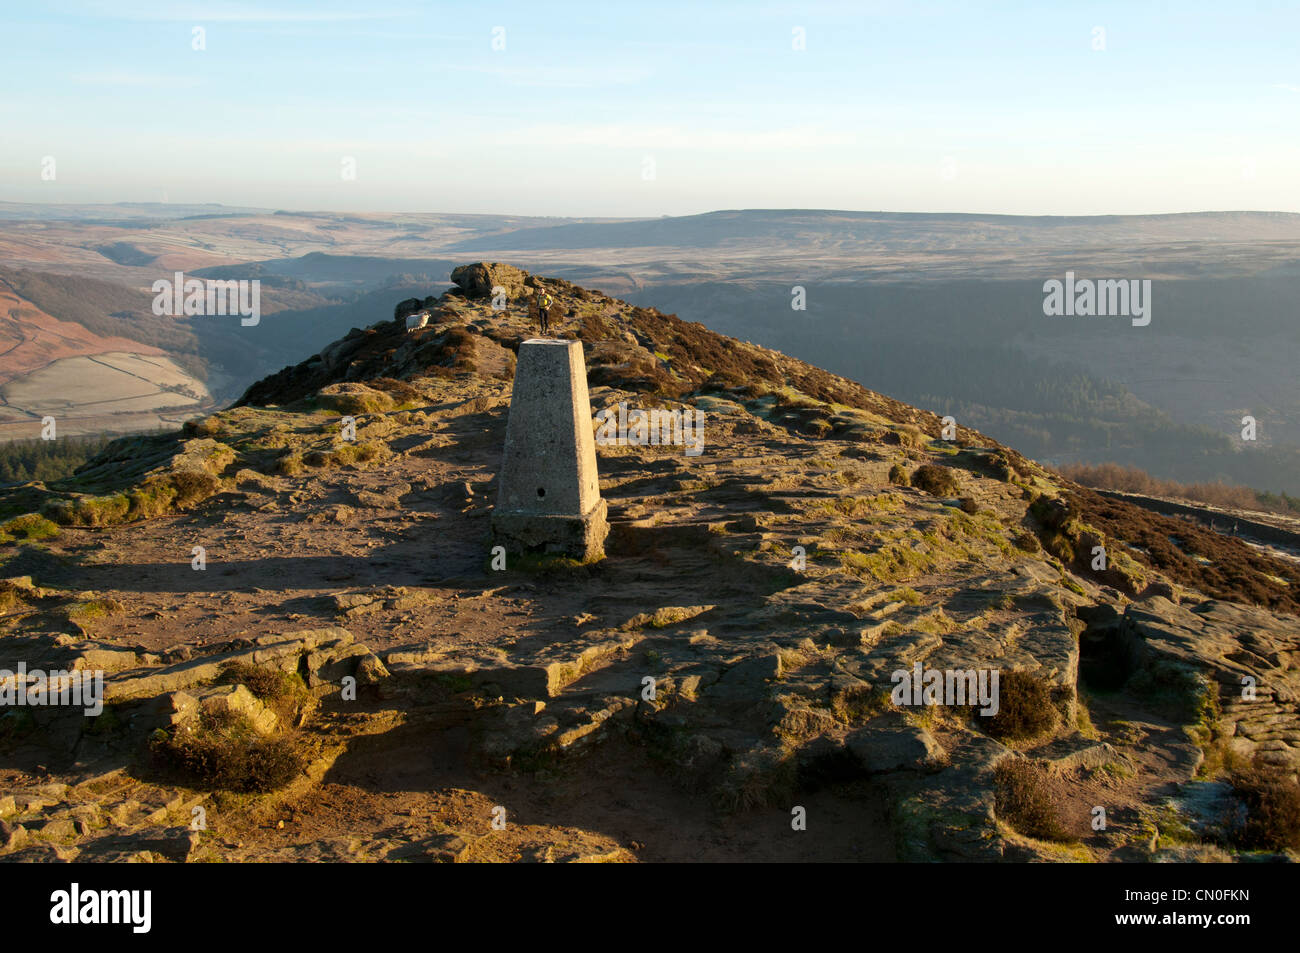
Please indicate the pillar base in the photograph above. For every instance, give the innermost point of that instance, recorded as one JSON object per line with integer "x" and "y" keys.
{"x": 579, "y": 537}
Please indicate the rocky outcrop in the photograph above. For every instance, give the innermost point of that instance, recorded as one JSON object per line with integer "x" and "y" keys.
{"x": 1240, "y": 658}
{"x": 479, "y": 279}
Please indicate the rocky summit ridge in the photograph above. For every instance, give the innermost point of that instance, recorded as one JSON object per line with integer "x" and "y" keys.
{"x": 305, "y": 643}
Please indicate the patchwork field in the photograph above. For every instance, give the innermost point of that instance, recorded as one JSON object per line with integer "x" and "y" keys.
{"x": 136, "y": 389}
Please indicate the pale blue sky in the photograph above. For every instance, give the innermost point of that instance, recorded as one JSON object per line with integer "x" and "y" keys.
{"x": 927, "y": 106}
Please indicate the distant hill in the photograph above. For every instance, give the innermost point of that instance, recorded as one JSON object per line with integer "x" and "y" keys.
{"x": 942, "y": 310}
{"x": 322, "y": 268}
{"x": 896, "y": 231}
{"x": 31, "y": 336}
{"x": 119, "y": 212}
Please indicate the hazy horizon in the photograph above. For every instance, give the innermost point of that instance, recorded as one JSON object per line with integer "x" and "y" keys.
{"x": 305, "y": 210}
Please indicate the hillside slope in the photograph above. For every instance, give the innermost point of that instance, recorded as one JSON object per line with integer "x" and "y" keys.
{"x": 826, "y": 538}
{"x": 89, "y": 378}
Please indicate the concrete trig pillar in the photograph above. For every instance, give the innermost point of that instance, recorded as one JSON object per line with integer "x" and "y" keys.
{"x": 549, "y": 495}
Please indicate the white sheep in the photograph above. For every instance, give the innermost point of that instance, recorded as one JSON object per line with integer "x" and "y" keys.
{"x": 416, "y": 321}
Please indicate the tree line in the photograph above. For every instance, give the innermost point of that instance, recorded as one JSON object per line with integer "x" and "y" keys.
{"x": 23, "y": 461}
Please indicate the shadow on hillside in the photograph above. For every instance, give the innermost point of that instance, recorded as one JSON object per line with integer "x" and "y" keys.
{"x": 614, "y": 789}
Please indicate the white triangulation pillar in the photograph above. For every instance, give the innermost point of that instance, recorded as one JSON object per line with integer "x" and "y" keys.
{"x": 549, "y": 496}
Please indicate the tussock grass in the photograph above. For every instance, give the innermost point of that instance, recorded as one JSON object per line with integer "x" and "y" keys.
{"x": 292, "y": 461}
{"x": 159, "y": 495}
{"x": 936, "y": 480}
{"x": 357, "y": 401}
{"x": 892, "y": 562}
{"x": 346, "y": 454}
{"x": 82, "y": 612}
{"x": 758, "y": 778}
{"x": 856, "y": 507}
{"x": 1271, "y": 797}
{"x": 282, "y": 692}
{"x": 89, "y": 510}
{"x": 28, "y": 528}
{"x": 225, "y": 751}
{"x": 906, "y": 594}
{"x": 856, "y": 704}
{"x": 1024, "y": 800}
{"x": 1025, "y": 708}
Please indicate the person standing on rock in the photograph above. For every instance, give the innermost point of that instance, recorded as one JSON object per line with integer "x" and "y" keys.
{"x": 544, "y": 302}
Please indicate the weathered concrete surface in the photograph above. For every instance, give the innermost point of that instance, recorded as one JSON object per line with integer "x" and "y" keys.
{"x": 549, "y": 499}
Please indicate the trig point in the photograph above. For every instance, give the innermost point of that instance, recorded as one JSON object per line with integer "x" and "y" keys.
{"x": 549, "y": 500}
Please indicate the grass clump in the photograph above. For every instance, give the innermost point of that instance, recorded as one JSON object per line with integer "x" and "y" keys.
{"x": 191, "y": 486}
{"x": 454, "y": 682}
{"x": 758, "y": 778}
{"x": 89, "y": 510}
{"x": 1024, "y": 800}
{"x": 889, "y": 563}
{"x": 177, "y": 490}
{"x": 28, "y": 528}
{"x": 1027, "y": 542}
{"x": 1025, "y": 707}
{"x": 160, "y": 494}
{"x": 94, "y": 609}
{"x": 857, "y": 507}
{"x": 1170, "y": 827}
{"x": 1179, "y": 692}
{"x": 289, "y": 463}
{"x": 354, "y": 399}
{"x": 223, "y": 750}
{"x": 1083, "y": 721}
{"x": 906, "y": 436}
{"x": 108, "y": 722}
{"x": 1270, "y": 797}
{"x": 936, "y": 480}
{"x": 898, "y": 475}
{"x": 346, "y": 454}
{"x": 282, "y": 692}
{"x": 906, "y": 594}
{"x": 857, "y": 703}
